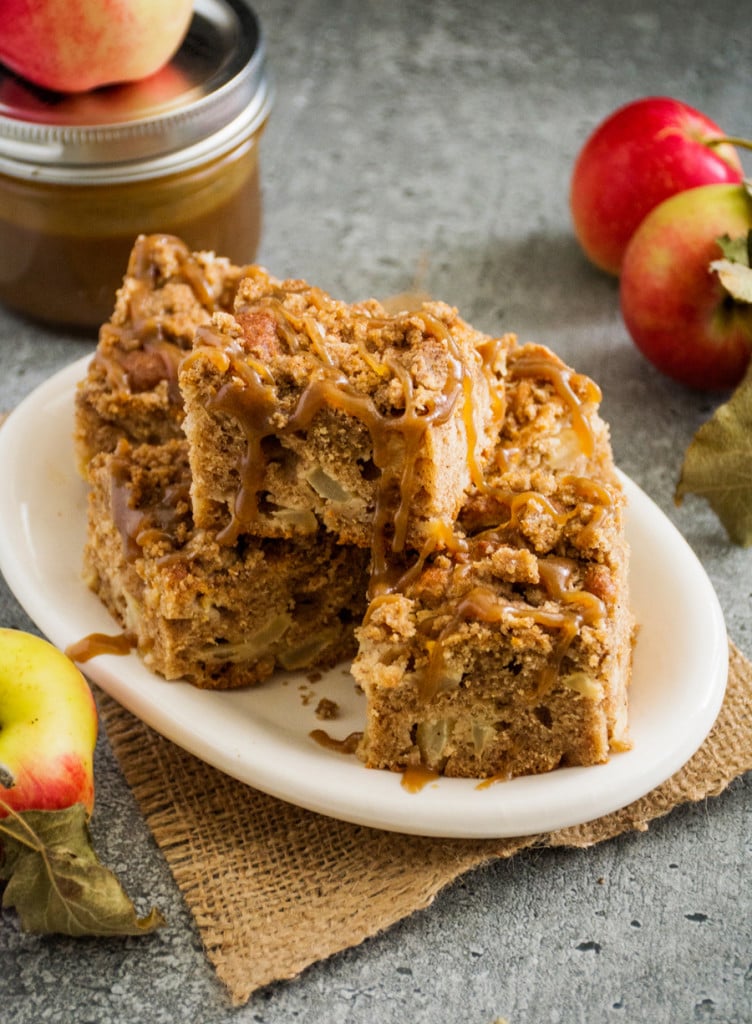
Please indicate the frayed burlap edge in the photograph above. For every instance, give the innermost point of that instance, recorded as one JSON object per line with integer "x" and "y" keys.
{"x": 274, "y": 888}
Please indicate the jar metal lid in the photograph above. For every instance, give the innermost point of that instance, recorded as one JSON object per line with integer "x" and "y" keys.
{"x": 213, "y": 93}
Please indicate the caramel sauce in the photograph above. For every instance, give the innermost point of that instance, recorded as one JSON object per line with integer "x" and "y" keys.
{"x": 397, "y": 579}
{"x": 99, "y": 643}
{"x": 520, "y": 501}
{"x": 556, "y": 574}
{"x": 476, "y": 469}
{"x": 595, "y": 494}
{"x": 589, "y": 490}
{"x": 417, "y": 777}
{"x": 544, "y": 365}
{"x": 492, "y": 780}
{"x": 491, "y": 352}
{"x": 139, "y": 526}
{"x": 482, "y": 604}
{"x": 348, "y": 745}
{"x": 587, "y": 533}
{"x": 63, "y": 248}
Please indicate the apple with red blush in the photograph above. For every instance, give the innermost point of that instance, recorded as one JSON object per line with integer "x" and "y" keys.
{"x": 643, "y": 153}
{"x": 673, "y": 299}
{"x": 49, "y": 870}
{"x": 76, "y": 45}
{"x": 48, "y": 727}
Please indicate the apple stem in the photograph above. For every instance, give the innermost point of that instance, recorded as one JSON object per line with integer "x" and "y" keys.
{"x": 729, "y": 140}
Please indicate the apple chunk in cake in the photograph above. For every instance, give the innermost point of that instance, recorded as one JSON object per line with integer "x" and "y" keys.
{"x": 216, "y": 615}
{"x": 303, "y": 411}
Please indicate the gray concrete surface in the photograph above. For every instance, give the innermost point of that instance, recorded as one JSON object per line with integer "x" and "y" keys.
{"x": 434, "y": 137}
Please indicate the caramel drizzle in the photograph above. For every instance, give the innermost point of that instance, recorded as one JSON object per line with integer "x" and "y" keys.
{"x": 99, "y": 643}
{"x": 551, "y": 369}
{"x": 589, "y": 490}
{"x": 290, "y": 325}
{"x": 138, "y": 526}
{"x": 398, "y": 580}
{"x": 493, "y": 780}
{"x": 417, "y": 777}
{"x": 596, "y": 494}
{"x": 519, "y": 502}
{"x": 490, "y": 352}
{"x": 251, "y": 399}
{"x": 544, "y": 365}
{"x": 348, "y": 745}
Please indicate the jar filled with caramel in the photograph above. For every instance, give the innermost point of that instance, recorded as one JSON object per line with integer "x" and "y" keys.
{"x": 82, "y": 175}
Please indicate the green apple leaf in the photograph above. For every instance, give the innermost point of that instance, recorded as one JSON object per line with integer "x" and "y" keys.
{"x": 718, "y": 464}
{"x": 734, "y": 270}
{"x": 736, "y": 249}
{"x": 56, "y": 882}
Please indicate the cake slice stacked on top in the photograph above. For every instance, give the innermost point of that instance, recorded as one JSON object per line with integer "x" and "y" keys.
{"x": 302, "y": 411}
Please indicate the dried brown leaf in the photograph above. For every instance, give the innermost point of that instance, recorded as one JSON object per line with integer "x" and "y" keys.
{"x": 56, "y": 882}
{"x": 718, "y": 464}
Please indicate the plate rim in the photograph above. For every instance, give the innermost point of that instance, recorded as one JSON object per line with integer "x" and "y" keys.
{"x": 427, "y": 813}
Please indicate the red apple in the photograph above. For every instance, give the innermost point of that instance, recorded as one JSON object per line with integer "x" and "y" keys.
{"x": 75, "y": 45}
{"x": 48, "y": 727}
{"x": 643, "y": 153}
{"x": 674, "y": 305}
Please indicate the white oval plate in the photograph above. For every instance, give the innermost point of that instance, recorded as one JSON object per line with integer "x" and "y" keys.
{"x": 261, "y": 736}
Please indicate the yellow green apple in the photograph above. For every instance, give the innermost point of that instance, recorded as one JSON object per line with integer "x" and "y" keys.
{"x": 48, "y": 727}
{"x": 676, "y": 309}
{"x": 76, "y": 45}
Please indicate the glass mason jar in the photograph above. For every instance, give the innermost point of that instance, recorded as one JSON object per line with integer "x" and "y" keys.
{"x": 82, "y": 175}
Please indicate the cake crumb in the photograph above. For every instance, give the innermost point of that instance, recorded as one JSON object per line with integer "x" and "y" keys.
{"x": 327, "y": 709}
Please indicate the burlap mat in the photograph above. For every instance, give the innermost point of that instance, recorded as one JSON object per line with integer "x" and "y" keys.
{"x": 274, "y": 888}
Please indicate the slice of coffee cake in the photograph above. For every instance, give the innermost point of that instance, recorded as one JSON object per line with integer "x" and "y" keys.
{"x": 508, "y": 651}
{"x": 220, "y": 616}
{"x": 302, "y": 412}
